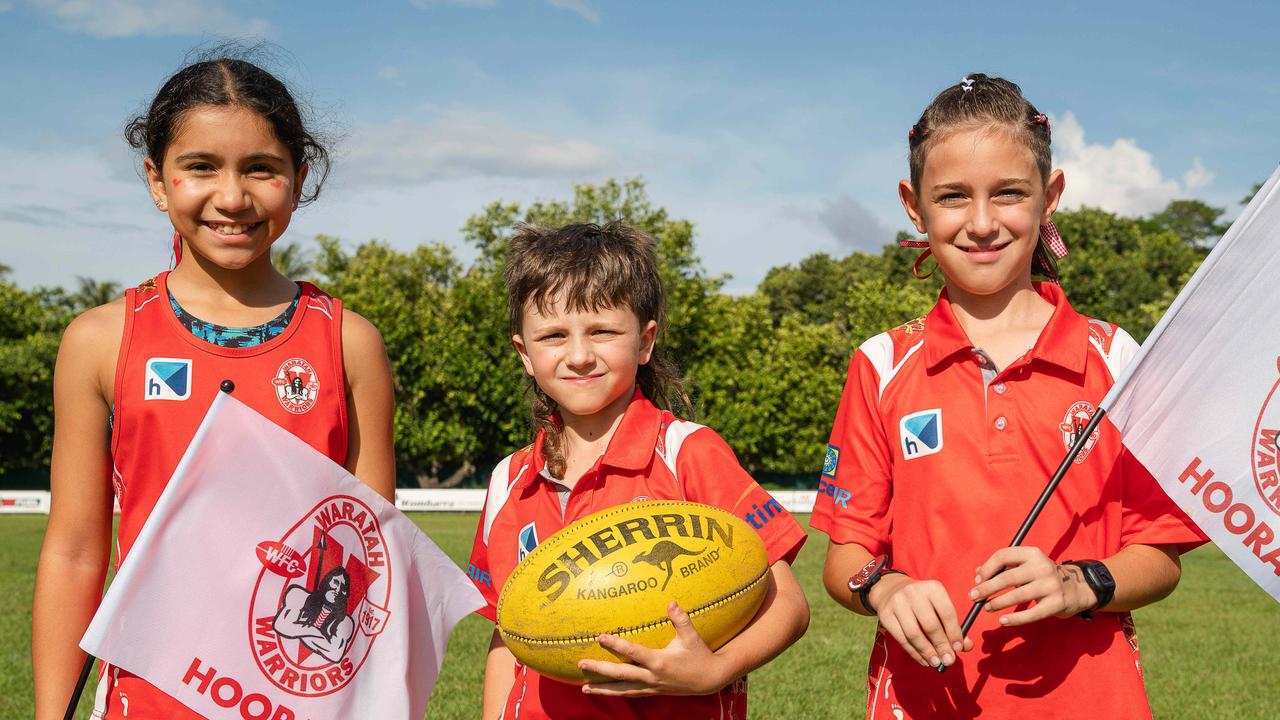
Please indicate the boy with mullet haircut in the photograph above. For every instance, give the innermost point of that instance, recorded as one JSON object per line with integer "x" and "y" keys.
{"x": 586, "y": 308}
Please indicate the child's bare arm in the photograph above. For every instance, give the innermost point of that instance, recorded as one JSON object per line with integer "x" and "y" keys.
{"x": 1144, "y": 574}
{"x": 843, "y": 560}
{"x": 77, "y": 542}
{"x": 370, "y": 406}
{"x": 499, "y": 676}
{"x": 688, "y": 667}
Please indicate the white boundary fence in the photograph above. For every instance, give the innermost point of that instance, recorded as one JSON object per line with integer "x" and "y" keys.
{"x": 36, "y": 502}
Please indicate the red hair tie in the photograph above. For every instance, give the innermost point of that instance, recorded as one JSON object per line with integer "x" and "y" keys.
{"x": 915, "y": 268}
{"x": 1049, "y": 234}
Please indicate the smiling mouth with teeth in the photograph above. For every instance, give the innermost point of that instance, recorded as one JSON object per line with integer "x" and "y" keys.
{"x": 224, "y": 229}
{"x": 990, "y": 248}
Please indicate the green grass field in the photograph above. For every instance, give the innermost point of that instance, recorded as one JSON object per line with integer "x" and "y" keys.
{"x": 1205, "y": 649}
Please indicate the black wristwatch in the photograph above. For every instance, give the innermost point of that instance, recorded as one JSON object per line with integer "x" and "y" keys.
{"x": 868, "y": 576}
{"x": 1099, "y": 580}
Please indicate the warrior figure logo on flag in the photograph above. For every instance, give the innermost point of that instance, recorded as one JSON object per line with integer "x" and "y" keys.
{"x": 310, "y": 633}
{"x": 351, "y": 603}
{"x": 318, "y": 618}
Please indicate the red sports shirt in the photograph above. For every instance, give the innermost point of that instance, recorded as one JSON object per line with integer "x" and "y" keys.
{"x": 933, "y": 464}
{"x": 165, "y": 380}
{"x": 653, "y": 455}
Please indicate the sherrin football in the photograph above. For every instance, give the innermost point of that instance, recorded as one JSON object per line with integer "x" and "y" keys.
{"x": 615, "y": 572}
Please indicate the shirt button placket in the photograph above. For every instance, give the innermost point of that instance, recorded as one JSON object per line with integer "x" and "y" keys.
{"x": 1001, "y": 423}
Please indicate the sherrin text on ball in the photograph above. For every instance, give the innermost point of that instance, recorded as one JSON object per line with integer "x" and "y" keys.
{"x": 615, "y": 572}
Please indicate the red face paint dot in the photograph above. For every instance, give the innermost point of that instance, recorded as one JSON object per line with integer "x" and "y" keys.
{"x": 177, "y": 182}
{"x": 278, "y": 183}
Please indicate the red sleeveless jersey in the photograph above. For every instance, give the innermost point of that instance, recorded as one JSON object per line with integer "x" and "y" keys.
{"x": 166, "y": 378}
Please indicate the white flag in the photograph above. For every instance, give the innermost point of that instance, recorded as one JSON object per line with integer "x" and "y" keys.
{"x": 1199, "y": 405}
{"x": 268, "y": 582}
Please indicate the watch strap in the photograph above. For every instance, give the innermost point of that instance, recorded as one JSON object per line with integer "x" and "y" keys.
{"x": 865, "y": 593}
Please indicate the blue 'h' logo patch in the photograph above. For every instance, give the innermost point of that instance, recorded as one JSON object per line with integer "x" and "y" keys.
{"x": 528, "y": 540}
{"x": 921, "y": 433}
{"x": 168, "y": 379}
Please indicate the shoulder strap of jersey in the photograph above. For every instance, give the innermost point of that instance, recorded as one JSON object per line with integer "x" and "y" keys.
{"x": 671, "y": 436}
{"x": 1115, "y": 345}
{"x": 134, "y": 299}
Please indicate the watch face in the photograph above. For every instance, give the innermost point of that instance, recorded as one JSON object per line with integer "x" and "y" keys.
{"x": 1101, "y": 575}
{"x": 868, "y": 571}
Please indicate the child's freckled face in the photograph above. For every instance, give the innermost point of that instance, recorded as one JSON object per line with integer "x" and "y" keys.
{"x": 981, "y": 201}
{"x": 585, "y": 360}
{"x": 231, "y": 184}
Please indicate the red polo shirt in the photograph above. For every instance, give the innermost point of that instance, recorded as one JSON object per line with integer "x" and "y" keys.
{"x": 936, "y": 457}
{"x": 653, "y": 455}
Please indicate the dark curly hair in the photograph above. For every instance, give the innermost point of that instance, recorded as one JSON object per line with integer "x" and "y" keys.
{"x": 221, "y": 77}
{"x": 316, "y": 605}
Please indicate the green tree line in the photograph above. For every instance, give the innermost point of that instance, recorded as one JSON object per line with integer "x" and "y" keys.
{"x": 765, "y": 369}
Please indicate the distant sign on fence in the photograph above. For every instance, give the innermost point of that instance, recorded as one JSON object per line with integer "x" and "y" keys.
{"x": 24, "y": 501}
{"x": 439, "y": 500}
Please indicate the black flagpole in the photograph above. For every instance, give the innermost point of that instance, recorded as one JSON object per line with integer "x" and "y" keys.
{"x": 1081, "y": 438}
{"x": 75, "y": 694}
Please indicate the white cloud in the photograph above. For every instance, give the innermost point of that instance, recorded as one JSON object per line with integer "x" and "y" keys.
{"x": 1197, "y": 177}
{"x": 1120, "y": 177}
{"x": 464, "y": 145}
{"x": 127, "y": 18}
{"x": 579, "y": 7}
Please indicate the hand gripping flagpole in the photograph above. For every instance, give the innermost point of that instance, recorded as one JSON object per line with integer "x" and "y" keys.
{"x": 227, "y": 387}
{"x": 1082, "y": 437}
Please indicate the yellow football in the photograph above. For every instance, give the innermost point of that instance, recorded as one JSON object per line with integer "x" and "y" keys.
{"x": 615, "y": 571}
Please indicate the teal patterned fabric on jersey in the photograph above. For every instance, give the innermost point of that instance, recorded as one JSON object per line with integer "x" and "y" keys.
{"x": 235, "y": 337}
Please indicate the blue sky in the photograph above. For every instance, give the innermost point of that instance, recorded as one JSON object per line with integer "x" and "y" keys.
{"x": 777, "y": 128}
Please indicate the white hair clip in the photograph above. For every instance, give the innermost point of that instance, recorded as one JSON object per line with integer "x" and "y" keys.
{"x": 967, "y": 84}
